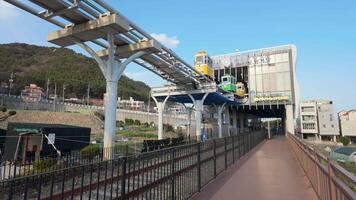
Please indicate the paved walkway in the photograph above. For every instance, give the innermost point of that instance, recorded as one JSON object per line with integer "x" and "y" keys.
{"x": 271, "y": 172}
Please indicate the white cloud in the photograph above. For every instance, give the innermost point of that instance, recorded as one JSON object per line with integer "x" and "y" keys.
{"x": 135, "y": 75}
{"x": 170, "y": 42}
{"x": 7, "y": 11}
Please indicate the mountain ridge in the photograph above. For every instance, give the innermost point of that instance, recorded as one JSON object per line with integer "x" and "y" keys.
{"x": 36, "y": 64}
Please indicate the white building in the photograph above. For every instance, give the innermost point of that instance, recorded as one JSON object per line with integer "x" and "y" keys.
{"x": 317, "y": 119}
{"x": 130, "y": 104}
{"x": 347, "y": 120}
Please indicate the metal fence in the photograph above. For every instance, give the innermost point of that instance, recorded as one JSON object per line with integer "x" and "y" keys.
{"x": 329, "y": 180}
{"x": 10, "y": 169}
{"x": 172, "y": 173}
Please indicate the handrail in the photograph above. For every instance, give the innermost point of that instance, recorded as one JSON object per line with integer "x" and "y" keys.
{"x": 329, "y": 180}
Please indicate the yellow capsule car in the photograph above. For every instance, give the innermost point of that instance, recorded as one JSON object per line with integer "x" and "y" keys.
{"x": 203, "y": 64}
{"x": 240, "y": 89}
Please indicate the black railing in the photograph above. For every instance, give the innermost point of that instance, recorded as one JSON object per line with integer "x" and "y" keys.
{"x": 172, "y": 173}
{"x": 30, "y": 166}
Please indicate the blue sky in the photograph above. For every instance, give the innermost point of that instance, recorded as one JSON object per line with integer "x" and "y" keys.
{"x": 324, "y": 32}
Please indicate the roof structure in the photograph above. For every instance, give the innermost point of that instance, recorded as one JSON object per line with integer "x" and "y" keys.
{"x": 92, "y": 20}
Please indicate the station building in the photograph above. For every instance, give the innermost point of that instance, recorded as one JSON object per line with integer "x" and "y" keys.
{"x": 269, "y": 76}
{"x": 271, "y": 91}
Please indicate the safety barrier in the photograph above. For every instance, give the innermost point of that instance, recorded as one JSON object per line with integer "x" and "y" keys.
{"x": 173, "y": 173}
{"x": 329, "y": 180}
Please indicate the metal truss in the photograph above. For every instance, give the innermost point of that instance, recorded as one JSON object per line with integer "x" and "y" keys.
{"x": 68, "y": 13}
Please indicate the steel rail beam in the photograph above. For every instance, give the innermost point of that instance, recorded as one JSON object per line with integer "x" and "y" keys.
{"x": 141, "y": 31}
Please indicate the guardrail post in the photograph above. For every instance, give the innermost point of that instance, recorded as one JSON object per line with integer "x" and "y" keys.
{"x": 330, "y": 175}
{"x": 317, "y": 173}
{"x": 225, "y": 152}
{"x": 199, "y": 170}
{"x": 172, "y": 174}
{"x": 123, "y": 178}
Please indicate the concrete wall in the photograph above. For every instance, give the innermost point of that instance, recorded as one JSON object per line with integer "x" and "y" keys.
{"x": 328, "y": 125}
{"x": 15, "y": 102}
{"x": 348, "y": 123}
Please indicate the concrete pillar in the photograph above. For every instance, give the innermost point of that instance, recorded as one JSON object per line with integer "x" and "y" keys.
{"x": 234, "y": 121}
{"x": 198, "y": 104}
{"x": 112, "y": 70}
{"x": 189, "y": 115}
{"x": 198, "y": 117}
{"x": 289, "y": 119}
{"x": 242, "y": 123}
{"x": 219, "y": 110}
{"x": 334, "y": 138}
{"x": 269, "y": 129}
{"x": 227, "y": 121}
{"x": 110, "y": 116}
{"x": 160, "y": 109}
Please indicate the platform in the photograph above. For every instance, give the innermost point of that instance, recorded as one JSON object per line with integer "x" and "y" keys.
{"x": 270, "y": 173}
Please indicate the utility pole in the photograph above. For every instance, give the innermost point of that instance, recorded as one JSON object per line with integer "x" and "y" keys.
{"x": 47, "y": 88}
{"x": 149, "y": 101}
{"x": 88, "y": 95}
{"x": 11, "y": 80}
{"x": 55, "y": 96}
{"x": 64, "y": 88}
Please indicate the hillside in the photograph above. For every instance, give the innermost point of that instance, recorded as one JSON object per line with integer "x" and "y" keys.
{"x": 36, "y": 64}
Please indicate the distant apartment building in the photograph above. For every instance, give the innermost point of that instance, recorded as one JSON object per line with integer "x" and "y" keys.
{"x": 317, "y": 120}
{"x": 32, "y": 93}
{"x": 130, "y": 104}
{"x": 347, "y": 120}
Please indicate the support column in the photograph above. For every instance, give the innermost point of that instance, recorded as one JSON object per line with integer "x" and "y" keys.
{"x": 189, "y": 113}
{"x": 110, "y": 117}
{"x": 198, "y": 104}
{"x": 234, "y": 121}
{"x": 198, "y": 117}
{"x": 289, "y": 119}
{"x": 227, "y": 121}
{"x": 269, "y": 129}
{"x": 160, "y": 109}
{"x": 219, "y": 110}
{"x": 112, "y": 70}
{"x": 242, "y": 123}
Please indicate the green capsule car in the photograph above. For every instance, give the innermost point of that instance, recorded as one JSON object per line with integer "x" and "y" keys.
{"x": 228, "y": 83}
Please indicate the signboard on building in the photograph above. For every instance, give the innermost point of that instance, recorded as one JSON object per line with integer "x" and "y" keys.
{"x": 270, "y": 98}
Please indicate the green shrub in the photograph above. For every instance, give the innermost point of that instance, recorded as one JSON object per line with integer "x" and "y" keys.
{"x": 129, "y": 121}
{"x": 100, "y": 115}
{"x": 43, "y": 164}
{"x": 137, "y": 122}
{"x": 90, "y": 151}
{"x": 137, "y": 134}
{"x": 120, "y": 124}
{"x": 3, "y": 109}
{"x": 168, "y": 128}
{"x": 344, "y": 140}
{"x": 12, "y": 112}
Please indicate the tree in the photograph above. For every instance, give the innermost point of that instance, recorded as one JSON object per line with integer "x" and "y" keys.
{"x": 129, "y": 122}
{"x": 6, "y": 114}
{"x": 137, "y": 122}
{"x": 344, "y": 140}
